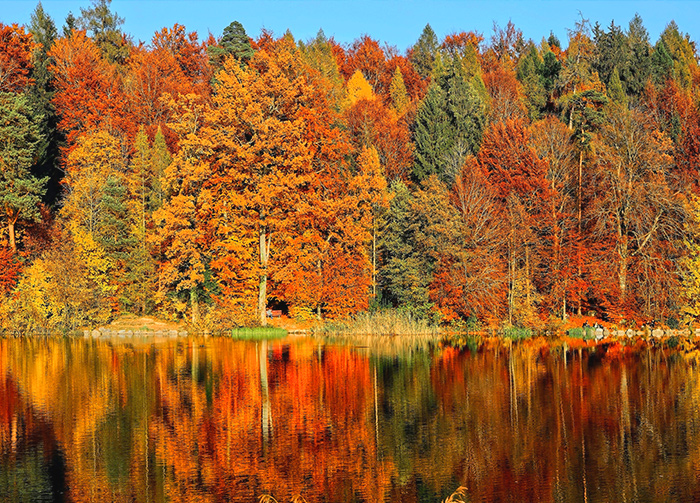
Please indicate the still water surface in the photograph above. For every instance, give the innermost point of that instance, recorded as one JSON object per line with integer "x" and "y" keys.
{"x": 221, "y": 420}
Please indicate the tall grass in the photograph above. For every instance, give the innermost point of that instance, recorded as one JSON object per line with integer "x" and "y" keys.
{"x": 517, "y": 333}
{"x": 258, "y": 333}
{"x": 384, "y": 322}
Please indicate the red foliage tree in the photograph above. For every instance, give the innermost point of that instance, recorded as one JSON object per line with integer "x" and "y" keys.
{"x": 9, "y": 269}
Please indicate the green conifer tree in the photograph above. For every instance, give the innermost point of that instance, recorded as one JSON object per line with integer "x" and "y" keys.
{"x": 20, "y": 191}
{"x": 234, "y": 42}
{"x": 40, "y": 94}
{"x": 433, "y": 135}
{"x": 424, "y": 52}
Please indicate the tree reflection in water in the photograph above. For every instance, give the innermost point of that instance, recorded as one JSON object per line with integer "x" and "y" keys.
{"x": 222, "y": 420}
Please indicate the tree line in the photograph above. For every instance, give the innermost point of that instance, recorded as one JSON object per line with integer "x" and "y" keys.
{"x": 489, "y": 180}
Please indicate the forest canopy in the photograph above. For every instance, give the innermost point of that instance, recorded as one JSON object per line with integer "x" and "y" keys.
{"x": 482, "y": 177}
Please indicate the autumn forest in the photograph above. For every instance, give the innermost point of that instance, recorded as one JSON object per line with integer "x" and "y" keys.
{"x": 481, "y": 178}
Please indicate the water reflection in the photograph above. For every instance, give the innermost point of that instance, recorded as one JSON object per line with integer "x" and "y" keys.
{"x": 222, "y": 420}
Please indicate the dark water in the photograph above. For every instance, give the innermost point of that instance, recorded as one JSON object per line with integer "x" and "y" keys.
{"x": 220, "y": 420}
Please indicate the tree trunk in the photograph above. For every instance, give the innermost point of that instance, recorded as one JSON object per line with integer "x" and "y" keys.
{"x": 580, "y": 212}
{"x": 11, "y": 234}
{"x": 262, "y": 292}
{"x": 374, "y": 259}
{"x": 622, "y": 271}
{"x": 194, "y": 302}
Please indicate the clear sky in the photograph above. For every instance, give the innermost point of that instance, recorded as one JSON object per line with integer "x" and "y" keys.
{"x": 397, "y": 23}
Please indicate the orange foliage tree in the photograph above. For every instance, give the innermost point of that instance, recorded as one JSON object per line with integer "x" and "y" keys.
{"x": 261, "y": 161}
{"x": 88, "y": 89}
{"x": 183, "y": 222}
{"x": 16, "y": 49}
{"x": 518, "y": 176}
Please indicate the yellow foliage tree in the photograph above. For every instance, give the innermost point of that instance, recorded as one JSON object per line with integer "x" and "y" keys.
{"x": 359, "y": 88}
{"x": 690, "y": 264}
{"x": 183, "y": 222}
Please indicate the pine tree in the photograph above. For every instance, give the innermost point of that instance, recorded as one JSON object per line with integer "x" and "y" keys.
{"x": 116, "y": 238}
{"x": 160, "y": 160}
{"x": 20, "y": 191}
{"x": 529, "y": 73}
{"x": 71, "y": 23}
{"x": 449, "y": 123}
{"x": 408, "y": 270}
{"x": 103, "y": 26}
{"x": 466, "y": 109}
{"x": 234, "y": 42}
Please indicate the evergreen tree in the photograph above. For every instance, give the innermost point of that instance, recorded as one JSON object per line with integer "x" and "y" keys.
{"x": 234, "y": 42}
{"x": 530, "y": 74}
{"x": 611, "y": 52}
{"x": 638, "y": 69}
{"x": 103, "y": 26}
{"x": 71, "y": 23}
{"x": 20, "y": 191}
{"x": 661, "y": 64}
{"x": 616, "y": 92}
{"x": 424, "y": 52}
{"x": 551, "y": 67}
{"x": 432, "y": 134}
{"x": 116, "y": 238}
{"x": 467, "y": 111}
{"x": 408, "y": 271}
{"x": 114, "y": 232}
{"x": 43, "y": 31}
{"x": 141, "y": 270}
{"x": 449, "y": 123}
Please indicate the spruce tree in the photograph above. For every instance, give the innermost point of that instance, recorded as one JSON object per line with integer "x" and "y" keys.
{"x": 638, "y": 70}
{"x": 40, "y": 94}
{"x": 20, "y": 191}
{"x": 424, "y": 52}
{"x": 466, "y": 110}
{"x": 433, "y": 135}
{"x": 529, "y": 73}
{"x": 407, "y": 271}
{"x": 116, "y": 238}
{"x": 160, "y": 159}
{"x": 616, "y": 92}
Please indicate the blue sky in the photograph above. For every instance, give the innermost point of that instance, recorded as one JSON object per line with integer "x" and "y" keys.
{"x": 398, "y": 23}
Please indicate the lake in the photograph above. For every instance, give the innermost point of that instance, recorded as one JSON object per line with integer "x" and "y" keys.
{"x": 215, "y": 419}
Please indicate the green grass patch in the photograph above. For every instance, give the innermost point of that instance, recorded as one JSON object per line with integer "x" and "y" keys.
{"x": 586, "y": 334}
{"x": 517, "y": 333}
{"x": 258, "y": 333}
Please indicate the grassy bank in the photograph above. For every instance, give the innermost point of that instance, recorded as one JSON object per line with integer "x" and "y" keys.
{"x": 258, "y": 333}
